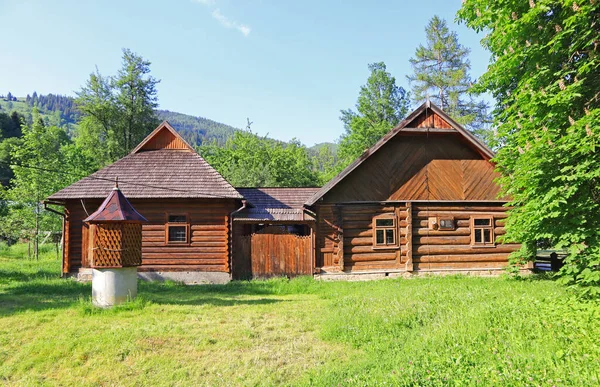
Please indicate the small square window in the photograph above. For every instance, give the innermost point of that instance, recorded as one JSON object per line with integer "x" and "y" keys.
{"x": 384, "y": 230}
{"x": 446, "y": 224}
{"x": 482, "y": 231}
{"x": 177, "y": 233}
{"x": 177, "y": 229}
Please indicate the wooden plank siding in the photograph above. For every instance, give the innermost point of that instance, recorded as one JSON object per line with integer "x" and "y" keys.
{"x": 419, "y": 167}
{"x": 208, "y": 247}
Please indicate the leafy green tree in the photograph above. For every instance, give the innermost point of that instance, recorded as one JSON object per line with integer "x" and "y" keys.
{"x": 117, "y": 112}
{"x": 441, "y": 74}
{"x": 545, "y": 75}
{"x": 381, "y": 105}
{"x": 96, "y": 134}
{"x": 34, "y": 161}
{"x": 248, "y": 160}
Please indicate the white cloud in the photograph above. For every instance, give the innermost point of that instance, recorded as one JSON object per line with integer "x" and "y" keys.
{"x": 228, "y": 23}
{"x": 224, "y": 20}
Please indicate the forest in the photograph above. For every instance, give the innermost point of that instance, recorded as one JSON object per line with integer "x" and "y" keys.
{"x": 543, "y": 126}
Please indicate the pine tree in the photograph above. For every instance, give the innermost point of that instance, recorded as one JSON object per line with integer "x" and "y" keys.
{"x": 136, "y": 97}
{"x": 441, "y": 74}
{"x": 381, "y": 105}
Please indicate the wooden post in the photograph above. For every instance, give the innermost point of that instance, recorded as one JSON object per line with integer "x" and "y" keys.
{"x": 340, "y": 223}
{"x": 409, "y": 237}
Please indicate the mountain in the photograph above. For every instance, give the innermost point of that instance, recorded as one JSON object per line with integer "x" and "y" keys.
{"x": 197, "y": 130}
{"x": 60, "y": 110}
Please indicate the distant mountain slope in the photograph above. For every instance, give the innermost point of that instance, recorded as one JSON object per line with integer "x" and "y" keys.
{"x": 197, "y": 130}
{"x": 61, "y": 111}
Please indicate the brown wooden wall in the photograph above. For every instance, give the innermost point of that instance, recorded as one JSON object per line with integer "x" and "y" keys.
{"x": 208, "y": 249}
{"x": 419, "y": 167}
{"x": 165, "y": 140}
{"x": 442, "y": 250}
{"x": 420, "y": 248}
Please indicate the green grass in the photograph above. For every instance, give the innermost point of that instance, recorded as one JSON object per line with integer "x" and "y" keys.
{"x": 428, "y": 331}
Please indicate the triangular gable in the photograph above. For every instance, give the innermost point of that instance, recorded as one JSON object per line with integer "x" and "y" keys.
{"x": 426, "y": 118}
{"x": 163, "y": 137}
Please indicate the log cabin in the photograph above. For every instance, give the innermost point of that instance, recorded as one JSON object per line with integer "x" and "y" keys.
{"x": 423, "y": 199}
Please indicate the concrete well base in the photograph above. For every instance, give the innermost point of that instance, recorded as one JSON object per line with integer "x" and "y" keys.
{"x": 113, "y": 286}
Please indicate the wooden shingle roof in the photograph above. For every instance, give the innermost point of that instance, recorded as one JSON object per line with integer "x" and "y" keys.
{"x": 280, "y": 204}
{"x": 162, "y": 166}
{"x": 116, "y": 208}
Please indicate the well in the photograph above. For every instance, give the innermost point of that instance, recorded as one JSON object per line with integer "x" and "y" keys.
{"x": 115, "y": 250}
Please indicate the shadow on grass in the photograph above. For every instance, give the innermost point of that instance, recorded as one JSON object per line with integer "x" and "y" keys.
{"x": 45, "y": 291}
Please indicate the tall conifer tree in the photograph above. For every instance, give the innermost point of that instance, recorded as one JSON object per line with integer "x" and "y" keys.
{"x": 441, "y": 74}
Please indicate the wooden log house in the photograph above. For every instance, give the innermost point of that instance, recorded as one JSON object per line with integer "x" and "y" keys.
{"x": 422, "y": 199}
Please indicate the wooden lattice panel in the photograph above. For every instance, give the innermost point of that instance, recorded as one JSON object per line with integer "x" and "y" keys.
{"x": 132, "y": 244}
{"x": 117, "y": 245}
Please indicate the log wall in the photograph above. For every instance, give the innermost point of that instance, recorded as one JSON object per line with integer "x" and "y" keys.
{"x": 435, "y": 250}
{"x": 207, "y": 250}
{"x": 420, "y": 248}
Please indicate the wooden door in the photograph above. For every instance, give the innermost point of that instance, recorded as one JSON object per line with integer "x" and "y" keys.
{"x": 273, "y": 252}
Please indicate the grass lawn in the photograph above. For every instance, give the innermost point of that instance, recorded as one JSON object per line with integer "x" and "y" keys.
{"x": 425, "y": 331}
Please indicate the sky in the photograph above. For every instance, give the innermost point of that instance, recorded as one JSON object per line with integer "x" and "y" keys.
{"x": 288, "y": 66}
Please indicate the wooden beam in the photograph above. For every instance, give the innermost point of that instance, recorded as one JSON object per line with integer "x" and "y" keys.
{"x": 409, "y": 238}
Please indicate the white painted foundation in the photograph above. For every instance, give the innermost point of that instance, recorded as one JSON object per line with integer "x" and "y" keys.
{"x": 113, "y": 286}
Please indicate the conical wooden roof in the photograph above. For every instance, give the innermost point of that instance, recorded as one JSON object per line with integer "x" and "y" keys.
{"x": 115, "y": 208}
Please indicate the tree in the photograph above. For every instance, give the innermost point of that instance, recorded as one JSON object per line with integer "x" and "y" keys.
{"x": 545, "y": 75}
{"x": 381, "y": 105}
{"x": 117, "y": 112}
{"x": 441, "y": 74}
{"x": 9, "y": 96}
{"x": 136, "y": 99}
{"x": 248, "y": 160}
{"x": 34, "y": 161}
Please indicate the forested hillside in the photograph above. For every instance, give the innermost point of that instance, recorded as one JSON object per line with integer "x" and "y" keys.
{"x": 61, "y": 111}
{"x": 197, "y": 130}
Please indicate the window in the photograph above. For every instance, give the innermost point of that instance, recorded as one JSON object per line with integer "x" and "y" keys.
{"x": 177, "y": 229}
{"x": 482, "y": 231}
{"x": 384, "y": 231}
{"x": 446, "y": 223}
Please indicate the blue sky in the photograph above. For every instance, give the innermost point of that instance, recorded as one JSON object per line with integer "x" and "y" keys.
{"x": 290, "y": 66}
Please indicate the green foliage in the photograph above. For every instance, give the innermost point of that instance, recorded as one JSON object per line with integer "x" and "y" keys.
{"x": 324, "y": 158}
{"x": 450, "y": 331}
{"x": 248, "y": 160}
{"x": 441, "y": 74}
{"x": 35, "y": 159}
{"x": 381, "y": 105}
{"x": 545, "y": 75}
{"x": 117, "y": 111}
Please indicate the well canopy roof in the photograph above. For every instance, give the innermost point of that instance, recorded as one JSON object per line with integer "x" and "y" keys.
{"x": 116, "y": 208}
{"x": 162, "y": 166}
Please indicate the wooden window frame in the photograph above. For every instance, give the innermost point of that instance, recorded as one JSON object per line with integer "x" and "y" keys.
{"x": 394, "y": 228}
{"x": 185, "y": 224}
{"x": 450, "y": 218}
{"x": 492, "y": 243}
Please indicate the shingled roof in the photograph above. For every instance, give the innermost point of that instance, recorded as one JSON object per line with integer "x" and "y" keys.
{"x": 116, "y": 208}
{"x": 162, "y": 166}
{"x": 280, "y": 204}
